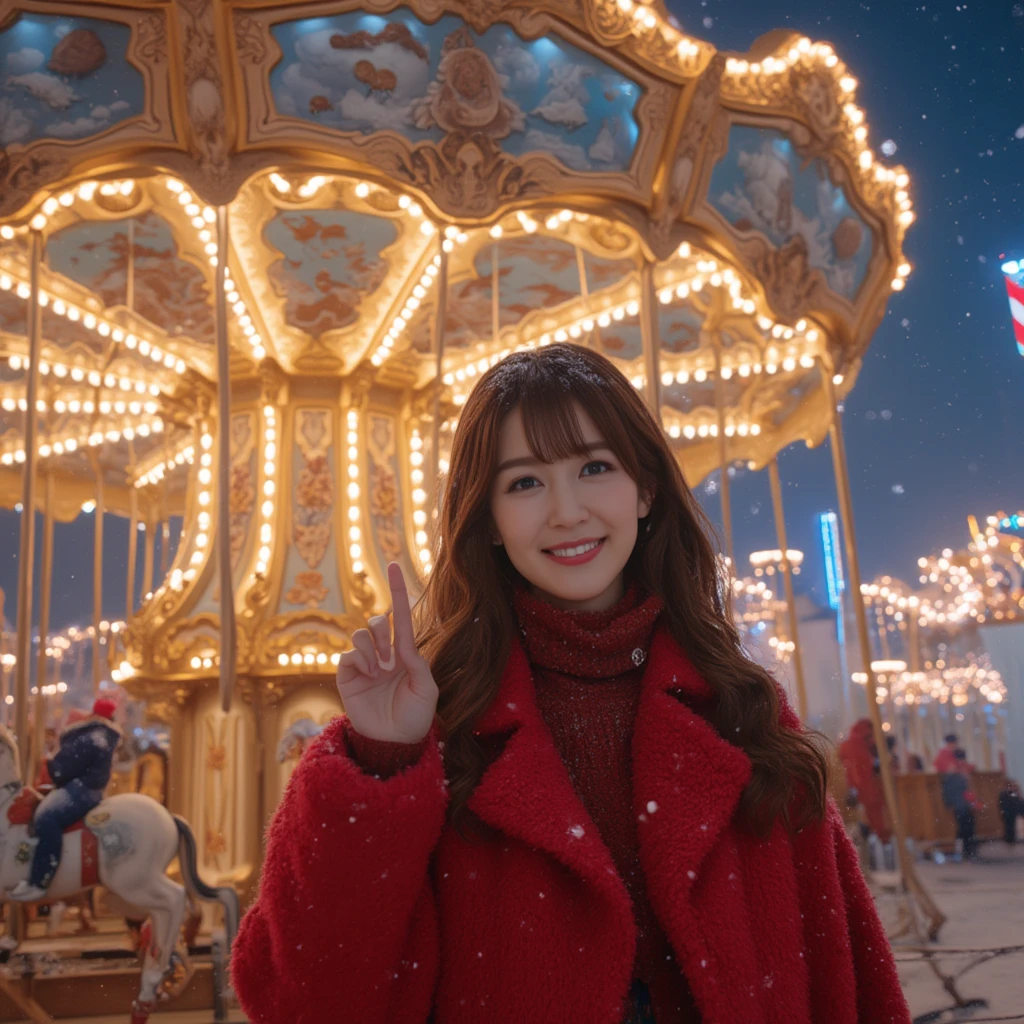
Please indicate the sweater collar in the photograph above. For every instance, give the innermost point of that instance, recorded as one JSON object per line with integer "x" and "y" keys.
{"x": 588, "y": 644}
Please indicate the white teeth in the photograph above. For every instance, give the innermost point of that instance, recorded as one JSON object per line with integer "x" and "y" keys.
{"x": 570, "y": 552}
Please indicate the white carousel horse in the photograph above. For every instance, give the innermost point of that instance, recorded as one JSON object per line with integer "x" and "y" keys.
{"x": 136, "y": 839}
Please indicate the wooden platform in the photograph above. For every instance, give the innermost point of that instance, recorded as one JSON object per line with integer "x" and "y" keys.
{"x": 104, "y": 993}
{"x": 929, "y": 822}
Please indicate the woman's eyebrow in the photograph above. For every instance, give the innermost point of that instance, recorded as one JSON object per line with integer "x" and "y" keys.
{"x": 529, "y": 460}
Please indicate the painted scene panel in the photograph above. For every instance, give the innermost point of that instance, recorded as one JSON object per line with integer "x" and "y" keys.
{"x": 65, "y": 77}
{"x": 357, "y": 72}
{"x": 763, "y": 184}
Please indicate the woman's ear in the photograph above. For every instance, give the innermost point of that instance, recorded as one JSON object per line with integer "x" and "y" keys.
{"x": 644, "y": 506}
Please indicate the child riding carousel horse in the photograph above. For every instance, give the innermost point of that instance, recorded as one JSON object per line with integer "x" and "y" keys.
{"x": 80, "y": 771}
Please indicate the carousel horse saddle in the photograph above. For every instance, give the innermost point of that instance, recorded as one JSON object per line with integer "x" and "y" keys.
{"x": 23, "y": 808}
{"x": 21, "y": 811}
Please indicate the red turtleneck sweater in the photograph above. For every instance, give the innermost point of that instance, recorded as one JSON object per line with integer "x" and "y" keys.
{"x": 587, "y": 668}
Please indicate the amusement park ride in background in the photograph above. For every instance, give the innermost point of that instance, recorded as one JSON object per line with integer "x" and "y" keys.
{"x": 252, "y": 261}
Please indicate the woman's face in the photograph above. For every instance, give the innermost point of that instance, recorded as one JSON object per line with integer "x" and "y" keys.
{"x": 538, "y": 507}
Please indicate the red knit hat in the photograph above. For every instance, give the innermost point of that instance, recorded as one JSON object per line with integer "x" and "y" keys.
{"x": 104, "y": 708}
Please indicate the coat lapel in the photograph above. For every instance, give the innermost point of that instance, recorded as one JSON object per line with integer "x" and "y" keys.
{"x": 687, "y": 782}
{"x": 527, "y": 793}
{"x": 681, "y": 766}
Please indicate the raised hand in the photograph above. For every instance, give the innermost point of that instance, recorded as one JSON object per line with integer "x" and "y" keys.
{"x": 387, "y": 688}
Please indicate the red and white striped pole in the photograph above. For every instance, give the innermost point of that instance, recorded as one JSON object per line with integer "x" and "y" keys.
{"x": 1013, "y": 271}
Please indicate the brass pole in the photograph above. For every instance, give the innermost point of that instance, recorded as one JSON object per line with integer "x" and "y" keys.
{"x": 723, "y": 461}
{"x": 986, "y": 744}
{"x": 165, "y": 532}
{"x": 147, "y": 562}
{"x": 787, "y": 581}
{"x": 129, "y": 300}
{"x": 440, "y": 313}
{"x": 914, "y": 640}
{"x": 26, "y": 552}
{"x": 581, "y": 270}
{"x": 495, "y": 296}
{"x": 44, "y": 628}
{"x": 910, "y": 878}
{"x": 651, "y": 341}
{"x": 132, "y": 552}
{"x": 97, "y": 576}
{"x": 228, "y": 638}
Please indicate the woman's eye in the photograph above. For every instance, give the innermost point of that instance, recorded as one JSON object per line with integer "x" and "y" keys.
{"x": 514, "y": 486}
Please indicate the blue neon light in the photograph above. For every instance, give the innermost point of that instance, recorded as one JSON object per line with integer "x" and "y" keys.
{"x": 833, "y": 560}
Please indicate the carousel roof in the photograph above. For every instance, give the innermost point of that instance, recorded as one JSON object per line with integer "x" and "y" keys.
{"x": 585, "y": 170}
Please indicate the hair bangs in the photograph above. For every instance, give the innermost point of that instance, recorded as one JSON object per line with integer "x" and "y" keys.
{"x": 547, "y": 402}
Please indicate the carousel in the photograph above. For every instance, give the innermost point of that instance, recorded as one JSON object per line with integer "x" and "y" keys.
{"x": 254, "y": 255}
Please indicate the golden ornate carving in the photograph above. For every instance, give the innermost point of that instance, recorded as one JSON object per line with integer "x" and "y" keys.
{"x": 789, "y": 282}
{"x": 702, "y": 110}
{"x": 250, "y": 41}
{"x": 308, "y": 589}
{"x": 204, "y": 88}
{"x": 314, "y": 493}
{"x": 468, "y": 174}
{"x": 152, "y": 35}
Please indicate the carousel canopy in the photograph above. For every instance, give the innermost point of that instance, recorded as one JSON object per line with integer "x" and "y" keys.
{"x": 396, "y": 197}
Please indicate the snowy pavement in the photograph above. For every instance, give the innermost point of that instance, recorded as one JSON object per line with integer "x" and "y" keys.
{"x": 984, "y": 904}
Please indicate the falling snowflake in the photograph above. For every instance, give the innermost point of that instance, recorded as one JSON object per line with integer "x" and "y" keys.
{"x": 709, "y": 22}
{"x": 897, "y": 488}
{"x": 889, "y": 147}
{"x": 1019, "y": 133}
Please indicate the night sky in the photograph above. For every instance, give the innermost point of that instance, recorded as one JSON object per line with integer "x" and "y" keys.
{"x": 933, "y": 424}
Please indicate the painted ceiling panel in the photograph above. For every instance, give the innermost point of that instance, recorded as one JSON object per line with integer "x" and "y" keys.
{"x": 330, "y": 261}
{"x": 364, "y": 73}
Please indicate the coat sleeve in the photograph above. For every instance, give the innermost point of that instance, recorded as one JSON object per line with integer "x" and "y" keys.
{"x": 880, "y": 998}
{"x": 345, "y": 923}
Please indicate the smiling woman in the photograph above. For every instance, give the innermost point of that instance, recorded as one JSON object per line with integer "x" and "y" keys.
{"x": 606, "y": 771}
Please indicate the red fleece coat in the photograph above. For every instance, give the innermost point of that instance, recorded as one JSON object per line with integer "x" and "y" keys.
{"x": 373, "y": 910}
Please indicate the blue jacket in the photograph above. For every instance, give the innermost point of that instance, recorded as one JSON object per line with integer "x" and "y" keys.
{"x": 954, "y": 790}
{"x": 86, "y": 753}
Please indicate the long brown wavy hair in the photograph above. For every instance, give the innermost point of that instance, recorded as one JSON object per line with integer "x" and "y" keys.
{"x": 465, "y": 618}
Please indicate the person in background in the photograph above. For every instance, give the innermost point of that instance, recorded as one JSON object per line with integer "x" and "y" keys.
{"x": 1011, "y": 807}
{"x": 80, "y": 771}
{"x": 956, "y": 786}
{"x": 945, "y": 760}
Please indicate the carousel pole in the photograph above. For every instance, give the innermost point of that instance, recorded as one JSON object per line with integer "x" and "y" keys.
{"x": 97, "y": 575}
{"x": 228, "y": 636}
{"x": 911, "y": 882}
{"x": 26, "y": 552}
{"x": 914, "y": 641}
{"x": 650, "y": 340}
{"x": 495, "y": 296}
{"x": 787, "y": 582}
{"x": 440, "y": 314}
{"x": 147, "y": 560}
{"x": 133, "y": 540}
{"x": 581, "y": 271}
{"x": 44, "y": 628}
{"x": 723, "y": 462}
{"x": 3, "y": 653}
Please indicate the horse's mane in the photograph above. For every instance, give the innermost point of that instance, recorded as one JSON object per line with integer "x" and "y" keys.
{"x": 8, "y": 740}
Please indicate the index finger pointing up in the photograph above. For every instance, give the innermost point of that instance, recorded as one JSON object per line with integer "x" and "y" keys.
{"x": 400, "y": 607}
